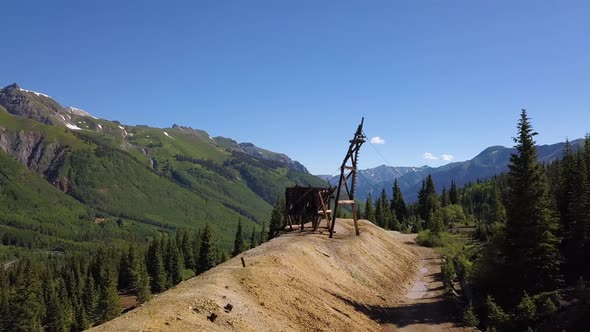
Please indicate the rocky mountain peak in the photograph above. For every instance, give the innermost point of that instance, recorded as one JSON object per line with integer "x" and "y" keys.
{"x": 13, "y": 86}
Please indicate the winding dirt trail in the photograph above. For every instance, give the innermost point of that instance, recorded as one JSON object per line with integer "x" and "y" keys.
{"x": 425, "y": 306}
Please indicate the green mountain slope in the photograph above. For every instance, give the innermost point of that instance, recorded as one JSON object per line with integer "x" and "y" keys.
{"x": 142, "y": 179}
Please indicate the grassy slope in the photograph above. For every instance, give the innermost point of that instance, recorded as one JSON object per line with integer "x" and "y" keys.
{"x": 109, "y": 172}
{"x": 37, "y": 215}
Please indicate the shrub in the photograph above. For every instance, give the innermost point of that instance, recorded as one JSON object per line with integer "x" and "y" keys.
{"x": 448, "y": 272}
{"x": 496, "y": 315}
{"x": 429, "y": 239}
{"x": 526, "y": 310}
{"x": 469, "y": 317}
{"x": 548, "y": 308}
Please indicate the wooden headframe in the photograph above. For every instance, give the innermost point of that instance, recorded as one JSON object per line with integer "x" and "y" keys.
{"x": 348, "y": 172}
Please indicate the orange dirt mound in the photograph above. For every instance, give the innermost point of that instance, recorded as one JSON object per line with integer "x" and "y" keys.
{"x": 299, "y": 281}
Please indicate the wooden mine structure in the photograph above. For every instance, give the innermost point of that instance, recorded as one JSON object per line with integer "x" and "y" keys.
{"x": 348, "y": 172}
{"x": 305, "y": 204}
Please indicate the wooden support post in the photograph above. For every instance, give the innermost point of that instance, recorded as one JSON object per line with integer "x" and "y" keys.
{"x": 356, "y": 225}
{"x": 324, "y": 210}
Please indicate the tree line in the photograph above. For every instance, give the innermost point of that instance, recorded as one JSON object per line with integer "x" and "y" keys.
{"x": 73, "y": 292}
{"x": 530, "y": 234}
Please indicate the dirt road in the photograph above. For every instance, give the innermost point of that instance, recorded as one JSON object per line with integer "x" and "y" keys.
{"x": 425, "y": 306}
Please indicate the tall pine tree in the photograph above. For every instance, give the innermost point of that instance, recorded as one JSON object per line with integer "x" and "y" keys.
{"x": 276, "y": 219}
{"x": 140, "y": 281}
{"x": 427, "y": 200}
{"x": 381, "y": 209}
{"x": 531, "y": 252}
{"x": 263, "y": 233}
{"x": 444, "y": 197}
{"x": 59, "y": 311}
{"x": 205, "y": 259}
{"x": 155, "y": 266}
{"x": 586, "y": 154}
{"x": 579, "y": 216}
{"x": 90, "y": 298}
{"x": 369, "y": 210}
{"x": 253, "y": 238}
{"x": 108, "y": 296}
{"x": 173, "y": 263}
{"x": 454, "y": 193}
{"x": 397, "y": 202}
{"x": 239, "y": 240}
{"x": 27, "y": 300}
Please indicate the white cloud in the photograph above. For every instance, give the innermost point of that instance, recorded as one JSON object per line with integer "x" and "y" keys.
{"x": 377, "y": 140}
{"x": 429, "y": 156}
{"x": 447, "y": 157}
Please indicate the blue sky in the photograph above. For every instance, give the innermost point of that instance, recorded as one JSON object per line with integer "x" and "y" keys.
{"x": 437, "y": 77}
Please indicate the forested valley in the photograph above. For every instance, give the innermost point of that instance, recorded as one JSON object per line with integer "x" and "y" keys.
{"x": 515, "y": 249}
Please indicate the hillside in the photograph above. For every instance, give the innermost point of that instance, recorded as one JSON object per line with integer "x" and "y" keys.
{"x": 135, "y": 179}
{"x": 299, "y": 281}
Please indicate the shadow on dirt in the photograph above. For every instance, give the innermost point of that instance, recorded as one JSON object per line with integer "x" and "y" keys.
{"x": 432, "y": 312}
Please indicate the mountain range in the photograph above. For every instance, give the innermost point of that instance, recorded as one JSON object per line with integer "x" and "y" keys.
{"x": 66, "y": 175}
{"x": 491, "y": 161}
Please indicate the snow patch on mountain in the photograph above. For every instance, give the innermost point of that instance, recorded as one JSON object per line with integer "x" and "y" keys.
{"x": 77, "y": 111}
{"x": 37, "y": 93}
{"x": 73, "y": 127}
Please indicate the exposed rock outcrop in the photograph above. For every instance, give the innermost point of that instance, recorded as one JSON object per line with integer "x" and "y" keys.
{"x": 28, "y": 104}
{"x": 35, "y": 152}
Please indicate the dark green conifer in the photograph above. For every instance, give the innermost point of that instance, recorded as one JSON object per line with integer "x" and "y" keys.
{"x": 276, "y": 219}
{"x": 444, "y": 197}
{"x": 27, "y": 307}
{"x": 369, "y": 210}
{"x": 187, "y": 251}
{"x": 140, "y": 282}
{"x": 566, "y": 193}
{"x": 196, "y": 248}
{"x": 263, "y": 233}
{"x": 239, "y": 240}
{"x": 454, "y": 193}
{"x": 108, "y": 295}
{"x": 155, "y": 266}
{"x": 531, "y": 251}
{"x": 381, "y": 210}
{"x": 59, "y": 312}
{"x": 497, "y": 209}
{"x": 173, "y": 263}
{"x": 253, "y": 238}
{"x": 90, "y": 298}
{"x": 579, "y": 219}
{"x": 397, "y": 203}
{"x": 206, "y": 259}
{"x": 5, "y": 317}
{"x": 427, "y": 200}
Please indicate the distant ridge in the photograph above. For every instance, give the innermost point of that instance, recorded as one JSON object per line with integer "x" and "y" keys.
{"x": 491, "y": 161}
